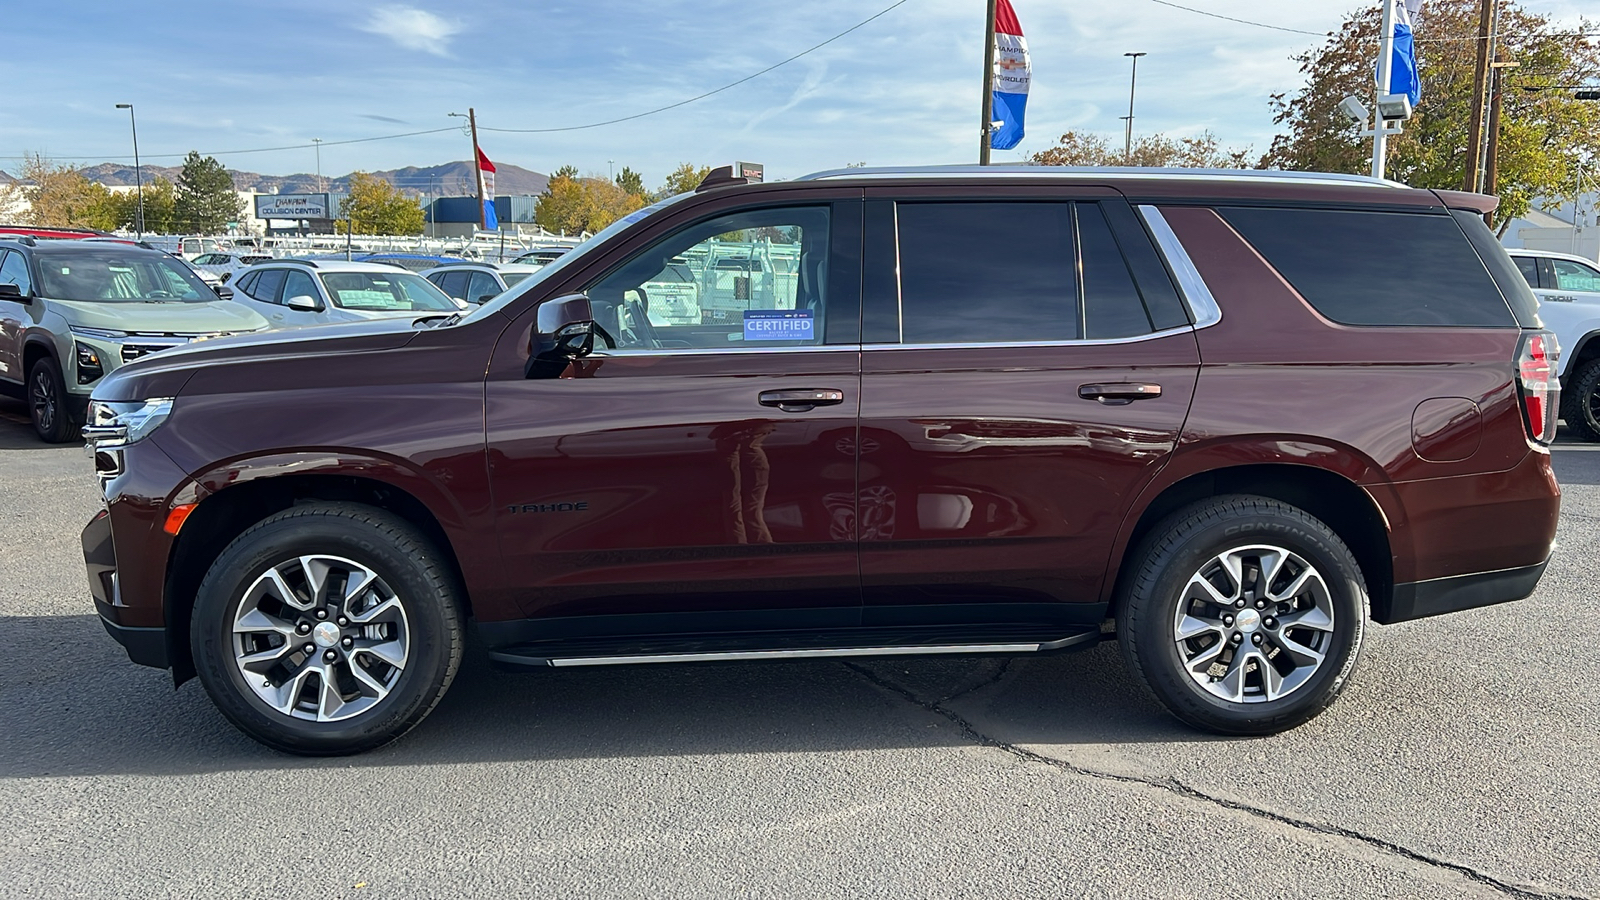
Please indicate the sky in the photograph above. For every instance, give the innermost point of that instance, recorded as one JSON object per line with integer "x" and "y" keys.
{"x": 900, "y": 90}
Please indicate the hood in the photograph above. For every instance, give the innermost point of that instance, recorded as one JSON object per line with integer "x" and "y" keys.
{"x": 158, "y": 317}
{"x": 163, "y": 374}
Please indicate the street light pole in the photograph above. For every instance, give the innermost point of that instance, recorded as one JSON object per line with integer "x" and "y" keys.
{"x": 1133, "y": 83}
{"x": 988, "y": 88}
{"x": 138, "y": 172}
{"x": 320, "y": 186}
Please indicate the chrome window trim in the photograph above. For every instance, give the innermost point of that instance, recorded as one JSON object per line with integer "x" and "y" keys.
{"x": 1202, "y": 305}
{"x": 703, "y": 351}
{"x": 1021, "y": 345}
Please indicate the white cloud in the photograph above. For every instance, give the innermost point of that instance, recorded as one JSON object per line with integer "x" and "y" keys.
{"x": 413, "y": 29}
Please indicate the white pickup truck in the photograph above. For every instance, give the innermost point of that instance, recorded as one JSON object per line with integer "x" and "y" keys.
{"x": 1568, "y": 288}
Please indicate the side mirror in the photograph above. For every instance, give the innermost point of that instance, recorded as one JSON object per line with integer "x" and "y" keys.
{"x": 224, "y": 291}
{"x": 563, "y": 331}
{"x": 12, "y": 292}
{"x": 303, "y": 303}
{"x": 485, "y": 298}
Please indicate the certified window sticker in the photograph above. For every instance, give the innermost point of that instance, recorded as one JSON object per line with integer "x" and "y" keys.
{"x": 779, "y": 325}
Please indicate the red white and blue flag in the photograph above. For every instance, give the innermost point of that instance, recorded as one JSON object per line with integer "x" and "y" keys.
{"x": 491, "y": 222}
{"x": 1012, "y": 73}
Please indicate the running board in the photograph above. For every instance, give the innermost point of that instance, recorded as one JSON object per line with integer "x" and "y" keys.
{"x": 512, "y": 657}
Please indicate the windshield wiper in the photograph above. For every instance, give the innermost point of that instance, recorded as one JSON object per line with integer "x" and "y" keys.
{"x": 444, "y": 320}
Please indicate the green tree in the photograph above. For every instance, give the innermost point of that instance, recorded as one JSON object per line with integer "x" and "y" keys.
{"x": 573, "y": 205}
{"x": 205, "y": 201}
{"x": 686, "y": 177}
{"x": 160, "y": 207}
{"x": 1546, "y": 137}
{"x": 61, "y": 196}
{"x": 631, "y": 181}
{"x": 374, "y": 206}
{"x": 1076, "y": 148}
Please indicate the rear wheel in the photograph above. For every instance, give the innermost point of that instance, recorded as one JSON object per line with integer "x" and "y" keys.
{"x": 1244, "y": 615}
{"x": 1580, "y": 402}
{"x": 47, "y": 403}
{"x": 327, "y": 629}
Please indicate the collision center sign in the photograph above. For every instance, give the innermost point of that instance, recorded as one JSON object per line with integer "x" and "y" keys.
{"x": 292, "y": 206}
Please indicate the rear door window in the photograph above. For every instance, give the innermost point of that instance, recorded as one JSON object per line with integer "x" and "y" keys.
{"x": 1529, "y": 267}
{"x": 1377, "y": 268}
{"x": 267, "y": 287}
{"x": 481, "y": 285}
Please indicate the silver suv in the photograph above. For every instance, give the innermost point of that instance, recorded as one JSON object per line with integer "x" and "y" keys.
{"x": 72, "y": 312}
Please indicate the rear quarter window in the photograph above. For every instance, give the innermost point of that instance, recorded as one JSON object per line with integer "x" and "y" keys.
{"x": 1377, "y": 268}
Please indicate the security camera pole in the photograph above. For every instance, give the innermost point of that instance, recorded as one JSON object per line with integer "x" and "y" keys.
{"x": 1380, "y": 128}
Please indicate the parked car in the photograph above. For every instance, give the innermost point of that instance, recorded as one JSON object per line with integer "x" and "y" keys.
{"x": 307, "y": 292}
{"x": 1568, "y": 288}
{"x": 72, "y": 312}
{"x": 475, "y": 282}
{"x": 226, "y": 265}
{"x": 414, "y": 262}
{"x": 1003, "y": 411}
{"x": 540, "y": 256}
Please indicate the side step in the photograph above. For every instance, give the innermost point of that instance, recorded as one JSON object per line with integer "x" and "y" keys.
{"x": 752, "y": 647}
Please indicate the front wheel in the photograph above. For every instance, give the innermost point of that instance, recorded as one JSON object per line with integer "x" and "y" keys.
{"x": 47, "y": 403}
{"x": 1244, "y": 615}
{"x": 327, "y": 629}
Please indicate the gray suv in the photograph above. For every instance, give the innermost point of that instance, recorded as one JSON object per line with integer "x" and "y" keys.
{"x": 71, "y": 312}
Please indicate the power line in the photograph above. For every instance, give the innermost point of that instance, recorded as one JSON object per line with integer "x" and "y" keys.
{"x": 719, "y": 90}
{"x": 1240, "y": 21}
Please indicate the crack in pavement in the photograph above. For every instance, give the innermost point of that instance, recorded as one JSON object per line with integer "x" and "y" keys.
{"x": 1175, "y": 786}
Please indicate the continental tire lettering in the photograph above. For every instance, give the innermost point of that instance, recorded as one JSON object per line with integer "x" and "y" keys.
{"x": 565, "y": 506}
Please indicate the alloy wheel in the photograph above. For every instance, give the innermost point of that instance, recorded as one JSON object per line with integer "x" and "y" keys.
{"x": 43, "y": 397}
{"x": 321, "y": 638}
{"x": 1254, "y": 624}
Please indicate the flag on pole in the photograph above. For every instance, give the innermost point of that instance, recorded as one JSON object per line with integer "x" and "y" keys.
{"x": 1012, "y": 73}
{"x": 1403, "y": 70}
{"x": 491, "y": 222}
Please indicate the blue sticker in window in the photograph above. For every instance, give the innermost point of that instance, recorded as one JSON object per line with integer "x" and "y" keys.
{"x": 779, "y": 325}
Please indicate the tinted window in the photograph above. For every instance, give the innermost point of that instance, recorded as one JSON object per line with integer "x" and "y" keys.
{"x": 246, "y": 282}
{"x": 1524, "y": 305}
{"x": 1575, "y": 276}
{"x": 267, "y": 286}
{"x": 14, "y": 270}
{"x": 453, "y": 284}
{"x": 756, "y": 278}
{"x": 482, "y": 285}
{"x": 299, "y": 284}
{"x": 987, "y": 272}
{"x": 1529, "y": 268}
{"x": 1111, "y": 304}
{"x": 1375, "y": 268}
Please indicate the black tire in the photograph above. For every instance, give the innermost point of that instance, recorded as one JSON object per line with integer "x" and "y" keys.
{"x": 1580, "y": 402}
{"x": 406, "y": 562}
{"x": 47, "y": 403}
{"x": 1182, "y": 546}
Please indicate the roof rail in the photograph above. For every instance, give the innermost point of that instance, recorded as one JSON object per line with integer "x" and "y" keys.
{"x": 304, "y": 262}
{"x": 1099, "y": 172}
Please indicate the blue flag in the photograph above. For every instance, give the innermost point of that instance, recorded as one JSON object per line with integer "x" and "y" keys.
{"x": 1403, "y": 77}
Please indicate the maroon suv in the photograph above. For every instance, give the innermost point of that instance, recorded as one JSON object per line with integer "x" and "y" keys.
{"x": 1223, "y": 418}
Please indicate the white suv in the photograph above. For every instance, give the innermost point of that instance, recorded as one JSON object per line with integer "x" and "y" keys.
{"x": 316, "y": 292}
{"x": 1568, "y": 288}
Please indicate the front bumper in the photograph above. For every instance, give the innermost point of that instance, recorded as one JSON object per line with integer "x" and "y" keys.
{"x": 145, "y": 646}
{"x": 1420, "y": 599}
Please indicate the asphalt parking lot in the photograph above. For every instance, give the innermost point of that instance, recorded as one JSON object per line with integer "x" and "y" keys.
{"x": 1463, "y": 761}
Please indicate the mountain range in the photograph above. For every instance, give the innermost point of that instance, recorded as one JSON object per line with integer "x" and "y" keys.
{"x": 447, "y": 179}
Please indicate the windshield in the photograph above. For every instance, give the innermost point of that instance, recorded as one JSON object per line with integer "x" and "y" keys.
{"x": 569, "y": 259}
{"x": 104, "y": 274}
{"x": 385, "y": 292}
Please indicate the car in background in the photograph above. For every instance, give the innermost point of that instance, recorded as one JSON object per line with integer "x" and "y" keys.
{"x": 414, "y": 262}
{"x": 475, "y": 282}
{"x": 226, "y": 265}
{"x": 1568, "y": 288}
{"x": 541, "y": 256}
{"x": 72, "y": 312}
{"x": 311, "y": 292}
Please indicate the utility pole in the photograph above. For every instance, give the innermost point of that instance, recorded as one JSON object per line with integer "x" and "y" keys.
{"x": 988, "y": 87}
{"x": 138, "y": 172}
{"x": 1133, "y": 82}
{"x": 321, "y": 186}
{"x": 1380, "y": 128}
{"x": 1491, "y": 161}
{"x": 1480, "y": 77}
{"x": 477, "y": 167}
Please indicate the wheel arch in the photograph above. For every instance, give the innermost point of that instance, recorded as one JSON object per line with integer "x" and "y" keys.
{"x": 1338, "y": 501}
{"x": 1586, "y": 349}
{"x": 222, "y": 515}
{"x": 37, "y": 345}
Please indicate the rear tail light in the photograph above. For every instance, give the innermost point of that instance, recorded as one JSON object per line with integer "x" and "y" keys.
{"x": 1540, "y": 389}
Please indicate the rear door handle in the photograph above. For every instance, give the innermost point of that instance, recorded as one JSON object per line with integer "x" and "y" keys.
{"x": 1118, "y": 393}
{"x": 803, "y": 400}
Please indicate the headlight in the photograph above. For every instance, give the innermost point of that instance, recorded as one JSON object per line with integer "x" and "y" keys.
{"x": 125, "y": 421}
{"x": 89, "y": 367}
{"x": 104, "y": 333}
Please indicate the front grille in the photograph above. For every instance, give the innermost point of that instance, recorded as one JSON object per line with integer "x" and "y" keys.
{"x": 132, "y": 352}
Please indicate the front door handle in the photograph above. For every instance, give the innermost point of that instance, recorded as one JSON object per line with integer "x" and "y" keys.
{"x": 802, "y": 400}
{"x": 1118, "y": 393}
